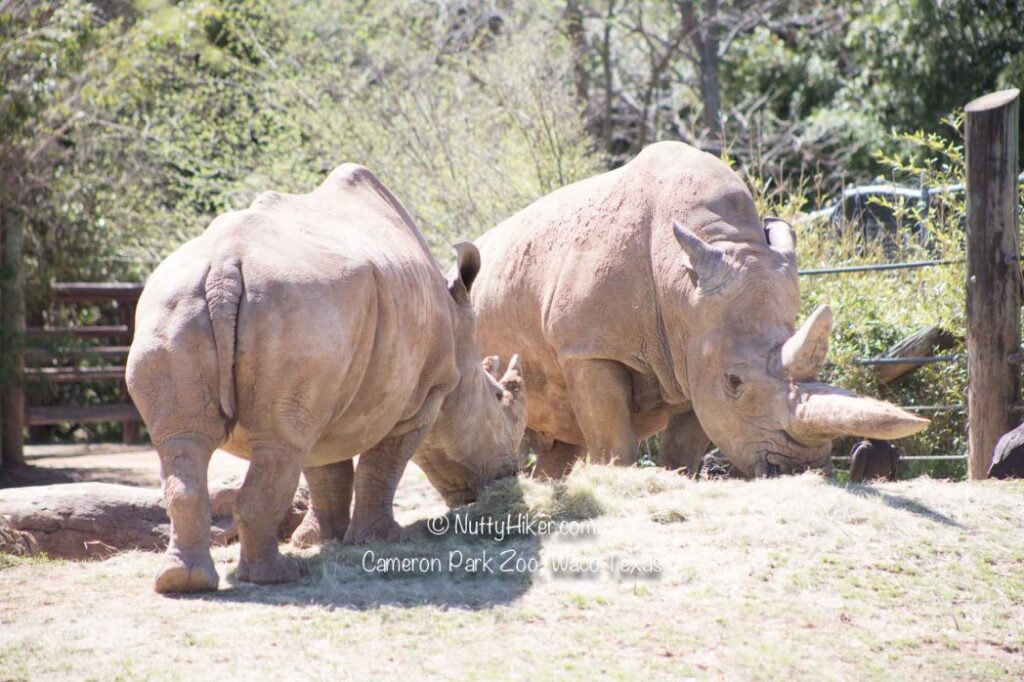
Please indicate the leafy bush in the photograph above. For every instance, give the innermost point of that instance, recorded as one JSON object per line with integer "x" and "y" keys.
{"x": 126, "y": 127}
{"x": 874, "y": 310}
{"x": 182, "y": 112}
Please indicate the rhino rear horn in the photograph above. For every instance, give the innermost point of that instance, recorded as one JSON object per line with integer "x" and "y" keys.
{"x": 467, "y": 266}
{"x": 712, "y": 266}
{"x": 803, "y": 354}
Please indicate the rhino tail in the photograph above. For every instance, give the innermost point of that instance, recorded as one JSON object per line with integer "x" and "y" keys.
{"x": 224, "y": 286}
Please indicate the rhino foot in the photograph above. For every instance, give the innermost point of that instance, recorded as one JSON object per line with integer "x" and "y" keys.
{"x": 277, "y": 569}
{"x": 308, "y": 533}
{"x": 186, "y": 573}
{"x": 385, "y": 529}
{"x": 314, "y": 531}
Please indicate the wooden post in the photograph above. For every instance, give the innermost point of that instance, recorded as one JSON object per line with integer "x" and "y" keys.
{"x": 12, "y": 333}
{"x": 2, "y": 364}
{"x": 993, "y": 274}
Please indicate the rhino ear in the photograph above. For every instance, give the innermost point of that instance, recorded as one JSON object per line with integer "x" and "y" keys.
{"x": 492, "y": 365}
{"x": 467, "y": 267}
{"x": 781, "y": 239}
{"x": 712, "y": 266}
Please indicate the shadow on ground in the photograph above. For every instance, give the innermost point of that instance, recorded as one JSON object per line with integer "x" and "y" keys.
{"x": 476, "y": 567}
{"x": 29, "y": 475}
{"x": 901, "y": 503}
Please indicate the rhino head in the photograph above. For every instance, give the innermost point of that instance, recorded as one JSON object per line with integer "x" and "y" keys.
{"x": 752, "y": 379}
{"x": 481, "y": 423}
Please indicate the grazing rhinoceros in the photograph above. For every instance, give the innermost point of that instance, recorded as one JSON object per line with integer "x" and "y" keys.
{"x": 297, "y": 334}
{"x": 647, "y": 295}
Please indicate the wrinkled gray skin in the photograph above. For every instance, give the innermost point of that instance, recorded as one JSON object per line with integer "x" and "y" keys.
{"x": 655, "y": 297}
{"x": 297, "y": 334}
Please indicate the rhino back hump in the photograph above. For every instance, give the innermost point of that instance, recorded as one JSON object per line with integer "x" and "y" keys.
{"x": 590, "y": 268}
{"x": 343, "y": 325}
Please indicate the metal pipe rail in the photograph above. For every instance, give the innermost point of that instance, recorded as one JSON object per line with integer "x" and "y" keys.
{"x": 910, "y": 360}
{"x": 912, "y": 458}
{"x": 878, "y": 267}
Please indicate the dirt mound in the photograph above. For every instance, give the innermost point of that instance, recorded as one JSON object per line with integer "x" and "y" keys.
{"x": 94, "y": 520}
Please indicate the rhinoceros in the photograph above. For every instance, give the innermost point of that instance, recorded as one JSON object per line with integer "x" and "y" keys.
{"x": 296, "y": 334}
{"x": 654, "y": 297}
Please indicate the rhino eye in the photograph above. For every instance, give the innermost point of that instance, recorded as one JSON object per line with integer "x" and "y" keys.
{"x": 734, "y": 383}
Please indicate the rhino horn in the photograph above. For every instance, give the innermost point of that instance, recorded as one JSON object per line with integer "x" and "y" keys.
{"x": 819, "y": 412}
{"x": 712, "y": 266}
{"x": 803, "y": 354}
{"x": 513, "y": 380}
{"x": 780, "y": 237}
{"x": 513, "y": 377}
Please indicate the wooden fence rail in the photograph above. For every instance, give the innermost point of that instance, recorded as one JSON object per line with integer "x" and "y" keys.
{"x": 98, "y": 354}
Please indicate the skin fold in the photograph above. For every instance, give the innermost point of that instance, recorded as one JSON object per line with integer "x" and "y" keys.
{"x": 653, "y": 297}
{"x": 297, "y": 334}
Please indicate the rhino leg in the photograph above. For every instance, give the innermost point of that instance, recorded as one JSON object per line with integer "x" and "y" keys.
{"x": 187, "y": 565}
{"x": 263, "y": 500}
{"x": 376, "y": 480}
{"x": 556, "y": 462}
{"x": 601, "y": 395}
{"x": 683, "y": 444}
{"x": 330, "y": 503}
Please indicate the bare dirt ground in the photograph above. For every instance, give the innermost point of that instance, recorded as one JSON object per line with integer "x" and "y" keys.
{"x": 652, "y": 575}
{"x": 105, "y": 463}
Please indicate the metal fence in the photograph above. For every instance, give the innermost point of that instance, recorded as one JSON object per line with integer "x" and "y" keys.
{"x": 855, "y": 198}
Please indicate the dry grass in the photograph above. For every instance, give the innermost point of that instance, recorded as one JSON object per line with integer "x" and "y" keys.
{"x": 793, "y": 578}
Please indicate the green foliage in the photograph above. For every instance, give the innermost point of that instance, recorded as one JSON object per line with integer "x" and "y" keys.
{"x": 126, "y": 127}
{"x": 230, "y": 100}
{"x": 875, "y": 310}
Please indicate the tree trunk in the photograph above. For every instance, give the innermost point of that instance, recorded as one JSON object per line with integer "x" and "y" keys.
{"x": 710, "y": 86}
{"x": 573, "y": 17}
{"x": 606, "y": 63}
{"x": 12, "y": 332}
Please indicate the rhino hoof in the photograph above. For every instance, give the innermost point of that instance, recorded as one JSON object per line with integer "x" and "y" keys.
{"x": 186, "y": 574}
{"x": 277, "y": 569}
{"x": 315, "y": 531}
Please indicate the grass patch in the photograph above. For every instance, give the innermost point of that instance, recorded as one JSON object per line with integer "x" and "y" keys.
{"x": 795, "y": 577}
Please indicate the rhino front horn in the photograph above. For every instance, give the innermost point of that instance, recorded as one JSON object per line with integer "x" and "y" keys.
{"x": 803, "y": 354}
{"x": 819, "y": 412}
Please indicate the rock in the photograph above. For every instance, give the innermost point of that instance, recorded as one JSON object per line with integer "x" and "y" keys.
{"x": 15, "y": 541}
{"x": 872, "y": 459}
{"x": 1008, "y": 456}
{"x": 94, "y": 520}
